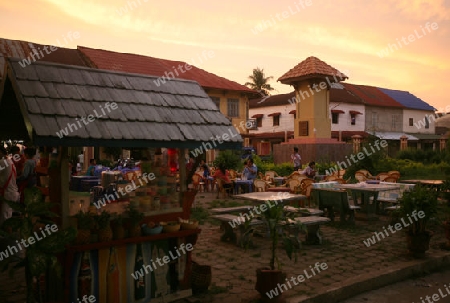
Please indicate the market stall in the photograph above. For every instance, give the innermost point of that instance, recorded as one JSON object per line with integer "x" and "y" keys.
{"x": 66, "y": 106}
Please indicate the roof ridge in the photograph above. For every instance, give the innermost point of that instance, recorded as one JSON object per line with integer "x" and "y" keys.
{"x": 99, "y": 70}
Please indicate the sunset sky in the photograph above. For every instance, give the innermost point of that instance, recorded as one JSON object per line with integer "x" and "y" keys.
{"x": 275, "y": 35}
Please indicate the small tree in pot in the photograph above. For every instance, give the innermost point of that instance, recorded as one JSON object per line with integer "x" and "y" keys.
{"x": 268, "y": 278}
{"x": 417, "y": 207}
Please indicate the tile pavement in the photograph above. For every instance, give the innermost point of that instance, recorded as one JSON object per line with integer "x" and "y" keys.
{"x": 352, "y": 267}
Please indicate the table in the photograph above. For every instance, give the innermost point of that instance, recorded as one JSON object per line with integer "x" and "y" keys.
{"x": 311, "y": 222}
{"x": 279, "y": 189}
{"x": 237, "y": 183}
{"x": 365, "y": 191}
{"x": 262, "y": 197}
{"x": 334, "y": 200}
{"x": 436, "y": 184}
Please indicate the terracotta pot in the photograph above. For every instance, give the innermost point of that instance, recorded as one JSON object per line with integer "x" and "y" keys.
{"x": 268, "y": 280}
{"x": 418, "y": 244}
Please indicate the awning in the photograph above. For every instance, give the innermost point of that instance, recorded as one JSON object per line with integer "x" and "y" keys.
{"x": 355, "y": 112}
{"x": 337, "y": 111}
{"x": 393, "y": 136}
{"x": 294, "y": 111}
{"x": 274, "y": 114}
{"x": 426, "y": 136}
{"x": 257, "y": 116}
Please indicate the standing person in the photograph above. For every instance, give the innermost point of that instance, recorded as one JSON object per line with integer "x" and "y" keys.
{"x": 296, "y": 159}
{"x": 8, "y": 186}
{"x": 80, "y": 162}
{"x": 190, "y": 164}
{"x": 91, "y": 168}
{"x": 28, "y": 178}
{"x": 18, "y": 159}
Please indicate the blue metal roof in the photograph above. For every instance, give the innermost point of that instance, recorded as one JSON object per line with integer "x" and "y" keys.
{"x": 407, "y": 99}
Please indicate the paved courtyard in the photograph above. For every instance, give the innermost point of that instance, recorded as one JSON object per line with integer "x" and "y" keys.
{"x": 352, "y": 266}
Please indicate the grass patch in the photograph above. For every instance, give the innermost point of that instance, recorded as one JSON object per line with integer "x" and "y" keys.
{"x": 214, "y": 289}
{"x": 200, "y": 214}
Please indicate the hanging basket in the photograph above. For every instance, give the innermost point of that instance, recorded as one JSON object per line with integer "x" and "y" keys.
{"x": 201, "y": 278}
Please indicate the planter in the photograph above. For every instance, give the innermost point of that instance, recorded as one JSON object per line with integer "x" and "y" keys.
{"x": 201, "y": 278}
{"x": 105, "y": 234}
{"x": 268, "y": 280}
{"x": 418, "y": 244}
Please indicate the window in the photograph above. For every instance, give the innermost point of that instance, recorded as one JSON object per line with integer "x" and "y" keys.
{"x": 427, "y": 122}
{"x": 374, "y": 119}
{"x": 353, "y": 119}
{"x": 411, "y": 121}
{"x": 334, "y": 118}
{"x": 216, "y": 101}
{"x": 303, "y": 128}
{"x": 259, "y": 122}
{"x": 395, "y": 123}
{"x": 276, "y": 120}
{"x": 233, "y": 107}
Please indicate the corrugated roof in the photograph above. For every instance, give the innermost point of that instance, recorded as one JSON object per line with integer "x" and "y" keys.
{"x": 393, "y": 135}
{"x": 426, "y": 136}
{"x": 53, "y": 96}
{"x": 371, "y": 95}
{"x": 407, "y": 99}
{"x": 311, "y": 67}
{"x": 280, "y": 99}
{"x": 133, "y": 63}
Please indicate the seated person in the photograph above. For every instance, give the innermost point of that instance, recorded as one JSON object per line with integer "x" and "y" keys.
{"x": 91, "y": 169}
{"x": 310, "y": 171}
{"x": 250, "y": 171}
{"x": 222, "y": 174}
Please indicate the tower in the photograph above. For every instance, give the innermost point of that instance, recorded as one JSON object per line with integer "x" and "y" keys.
{"x": 312, "y": 80}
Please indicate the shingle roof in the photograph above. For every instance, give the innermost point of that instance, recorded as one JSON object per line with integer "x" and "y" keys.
{"x": 52, "y": 96}
{"x": 311, "y": 67}
{"x": 371, "y": 95}
{"x": 133, "y": 63}
{"x": 407, "y": 99}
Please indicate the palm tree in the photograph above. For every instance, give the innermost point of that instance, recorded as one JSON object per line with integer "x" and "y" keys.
{"x": 259, "y": 82}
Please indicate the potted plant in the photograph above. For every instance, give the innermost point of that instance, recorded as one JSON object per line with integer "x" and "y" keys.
{"x": 84, "y": 225}
{"x": 417, "y": 207}
{"x": 134, "y": 219}
{"x": 104, "y": 226}
{"x": 267, "y": 278}
{"x": 45, "y": 241}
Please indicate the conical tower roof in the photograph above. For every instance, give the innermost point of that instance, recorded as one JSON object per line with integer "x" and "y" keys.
{"x": 311, "y": 67}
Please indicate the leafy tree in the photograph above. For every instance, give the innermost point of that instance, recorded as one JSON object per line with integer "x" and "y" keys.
{"x": 259, "y": 82}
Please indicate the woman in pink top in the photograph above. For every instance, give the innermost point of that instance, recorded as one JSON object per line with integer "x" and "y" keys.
{"x": 222, "y": 175}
